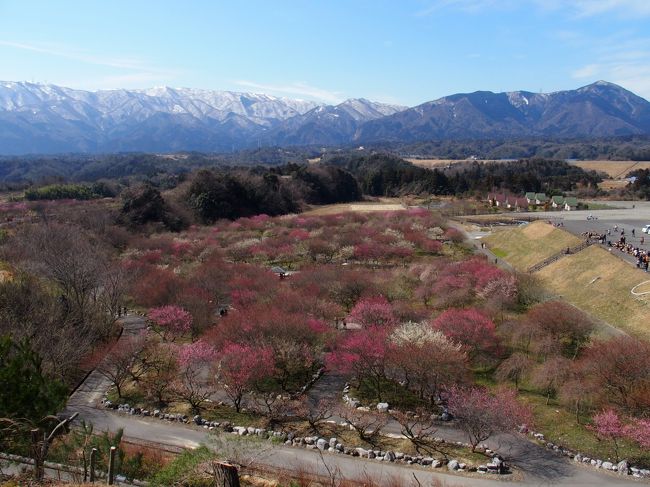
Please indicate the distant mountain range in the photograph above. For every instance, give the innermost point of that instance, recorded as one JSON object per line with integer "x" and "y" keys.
{"x": 36, "y": 118}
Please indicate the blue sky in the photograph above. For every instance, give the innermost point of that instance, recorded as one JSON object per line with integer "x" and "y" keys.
{"x": 398, "y": 51}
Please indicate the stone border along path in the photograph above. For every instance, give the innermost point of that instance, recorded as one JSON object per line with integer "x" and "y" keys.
{"x": 314, "y": 442}
{"x": 538, "y": 464}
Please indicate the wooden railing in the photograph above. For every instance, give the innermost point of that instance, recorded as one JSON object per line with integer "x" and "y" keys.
{"x": 559, "y": 255}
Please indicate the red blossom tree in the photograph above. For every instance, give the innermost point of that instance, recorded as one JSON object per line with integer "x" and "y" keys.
{"x": 242, "y": 367}
{"x": 172, "y": 321}
{"x": 153, "y": 286}
{"x": 471, "y": 328}
{"x": 482, "y": 414}
{"x": 363, "y": 353}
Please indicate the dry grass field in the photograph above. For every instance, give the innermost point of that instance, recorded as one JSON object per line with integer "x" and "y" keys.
{"x": 525, "y": 246}
{"x": 432, "y": 163}
{"x": 615, "y": 169}
{"x": 600, "y": 283}
{"x": 438, "y": 163}
{"x": 384, "y": 204}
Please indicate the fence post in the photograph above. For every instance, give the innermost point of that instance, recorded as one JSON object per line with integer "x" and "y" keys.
{"x": 93, "y": 459}
{"x": 36, "y": 452}
{"x": 111, "y": 465}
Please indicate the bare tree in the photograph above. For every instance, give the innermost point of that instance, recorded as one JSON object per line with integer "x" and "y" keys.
{"x": 192, "y": 386}
{"x": 117, "y": 365}
{"x": 419, "y": 429}
{"x": 514, "y": 368}
{"x": 367, "y": 424}
{"x": 318, "y": 414}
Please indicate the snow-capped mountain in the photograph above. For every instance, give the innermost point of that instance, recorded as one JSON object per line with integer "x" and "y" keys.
{"x": 49, "y": 118}
{"x": 37, "y": 118}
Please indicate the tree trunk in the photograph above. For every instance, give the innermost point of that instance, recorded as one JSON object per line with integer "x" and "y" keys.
{"x": 225, "y": 475}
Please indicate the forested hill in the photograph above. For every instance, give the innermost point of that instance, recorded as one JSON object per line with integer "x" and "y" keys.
{"x": 387, "y": 175}
{"x": 633, "y": 148}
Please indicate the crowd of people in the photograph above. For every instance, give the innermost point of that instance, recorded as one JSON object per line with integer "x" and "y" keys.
{"x": 601, "y": 237}
{"x": 642, "y": 256}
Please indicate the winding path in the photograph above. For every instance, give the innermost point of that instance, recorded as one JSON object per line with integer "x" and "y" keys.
{"x": 540, "y": 466}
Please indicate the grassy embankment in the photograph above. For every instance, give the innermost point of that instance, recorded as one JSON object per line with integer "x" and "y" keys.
{"x": 525, "y": 246}
{"x": 594, "y": 280}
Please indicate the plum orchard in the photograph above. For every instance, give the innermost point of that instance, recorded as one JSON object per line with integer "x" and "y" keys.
{"x": 390, "y": 300}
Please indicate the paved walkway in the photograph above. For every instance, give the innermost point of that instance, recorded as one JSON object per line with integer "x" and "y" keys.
{"x": 474, "y": 239}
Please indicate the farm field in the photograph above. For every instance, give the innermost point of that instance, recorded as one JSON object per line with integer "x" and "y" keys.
{"x": 615, "y": 169}
{"x": 438, "y": 163}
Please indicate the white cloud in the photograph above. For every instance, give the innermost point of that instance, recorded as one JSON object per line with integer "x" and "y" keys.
{"x": 633, "y": 75}
{"x": 588, "y": 71}
{"x": 469, "y": 6}
{"x": 76, "y": 55}
{"x": 295, "y": 89}
{"x": 625, "y": 8}
{"x": 578, "y": 8}
{"x": 128, "y": 71}
{"x": 590, "y": 8}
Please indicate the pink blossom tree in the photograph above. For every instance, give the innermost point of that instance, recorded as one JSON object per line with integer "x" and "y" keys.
{"x": 609, "y": 427}
{"x": 198, "y": 352}
{"x": 242, "y": 367}
{"x": 171, "y": 321}
{"x": 482, "y": 414}
{"x": 375, "y": 311}
{"x": 193, "y": 384}
{"x": 639, "y": 431}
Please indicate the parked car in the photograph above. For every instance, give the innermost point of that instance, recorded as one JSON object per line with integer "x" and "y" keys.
{"x": 646, "y": 229}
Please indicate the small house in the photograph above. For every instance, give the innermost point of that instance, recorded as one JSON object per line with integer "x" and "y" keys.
{"x": 500, "y": 200}
{"x": 540, "y": 198}
{"x": 557, "y": 202}
{"x": 570, "y": 204}
{"x": 530, "y": 197}
{"x": 518, "y": 204}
